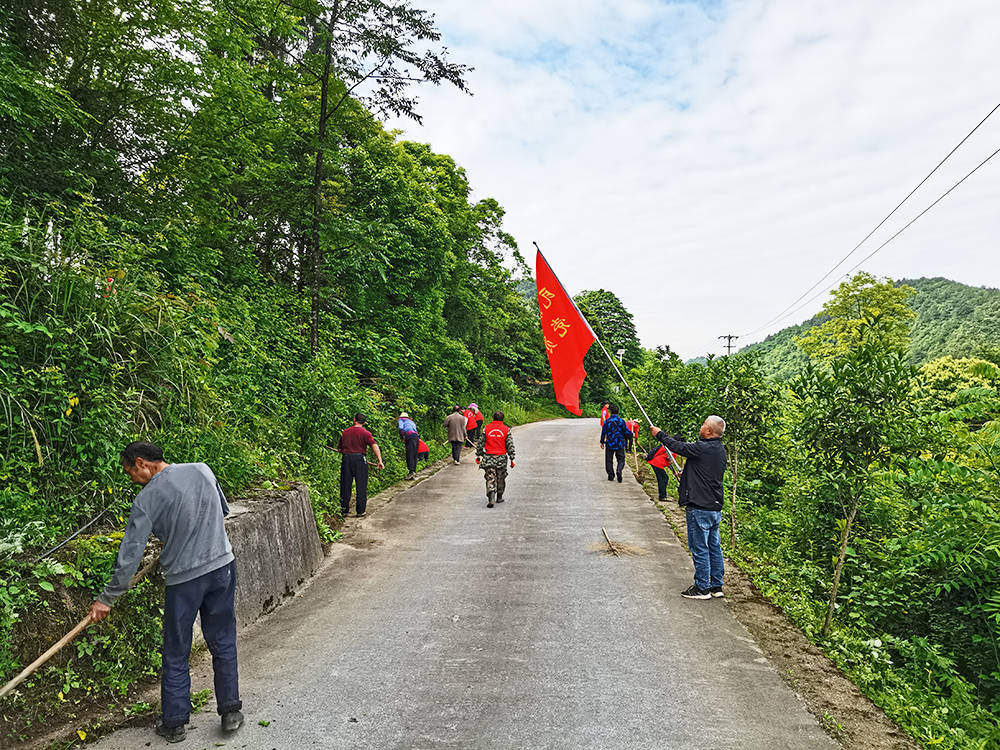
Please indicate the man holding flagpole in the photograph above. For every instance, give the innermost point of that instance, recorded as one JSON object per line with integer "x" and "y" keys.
{"x": 700, "y": 492}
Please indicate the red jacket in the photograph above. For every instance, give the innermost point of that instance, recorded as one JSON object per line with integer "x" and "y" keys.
{"x": 660, "y": 459}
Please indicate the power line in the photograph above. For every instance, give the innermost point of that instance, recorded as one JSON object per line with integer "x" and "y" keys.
{"x": 904, "y": 228}
{"x": 840, "y": 262}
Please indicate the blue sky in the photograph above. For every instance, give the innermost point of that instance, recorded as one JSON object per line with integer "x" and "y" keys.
{"x": 708, "y": 162}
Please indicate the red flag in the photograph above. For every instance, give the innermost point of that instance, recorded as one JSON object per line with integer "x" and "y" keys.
{"x": 567, "y": 336}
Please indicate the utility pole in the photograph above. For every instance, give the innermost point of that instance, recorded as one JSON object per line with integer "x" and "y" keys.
{"x": 729, "y": 342}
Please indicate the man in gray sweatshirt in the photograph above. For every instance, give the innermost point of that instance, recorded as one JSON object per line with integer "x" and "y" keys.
{"x": 183, "y": 505}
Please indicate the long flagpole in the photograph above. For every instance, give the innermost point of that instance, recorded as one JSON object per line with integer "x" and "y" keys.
{"x": 597, "y": 338}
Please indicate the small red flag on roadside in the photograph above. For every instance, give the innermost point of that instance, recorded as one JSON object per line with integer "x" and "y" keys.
{"x": 567, "y": 336}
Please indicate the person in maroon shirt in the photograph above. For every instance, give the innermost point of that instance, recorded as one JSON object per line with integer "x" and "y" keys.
{"x": 353, "y": 447}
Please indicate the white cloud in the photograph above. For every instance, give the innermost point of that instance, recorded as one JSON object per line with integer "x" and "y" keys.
{"x": 709, "y": 163}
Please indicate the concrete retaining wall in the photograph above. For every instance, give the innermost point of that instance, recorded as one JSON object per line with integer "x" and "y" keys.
{"x": 277, "y": 548}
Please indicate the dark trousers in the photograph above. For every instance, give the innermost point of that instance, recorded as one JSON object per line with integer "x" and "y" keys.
{"x": 212, "y": 596}
{"x": 353, "y": 467}
{"x": 456, "y": 449}
{"x": 412, "y": 445}
{"x": 661, "y": 481}
{"x": 618, "y": 453}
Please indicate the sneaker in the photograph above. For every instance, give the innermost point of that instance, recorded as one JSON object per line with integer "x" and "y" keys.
{"x": 489, "y": 505}
{"x": 411, "y": 475}
{"x": 170, "y": 734}
{"x": 232, "y": 720}
{"x": 360, "y": 515}
{"x": 499, "y": 499}
{"x": 695, "y": 593}
{"x": 716, "y": 592}
{"x": 456, "y": 462}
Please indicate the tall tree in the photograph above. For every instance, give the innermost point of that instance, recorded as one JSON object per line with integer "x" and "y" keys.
{"x": 857, "y": 417}
{"x": 862, "y": 304}
{"x": 612, "y": 323}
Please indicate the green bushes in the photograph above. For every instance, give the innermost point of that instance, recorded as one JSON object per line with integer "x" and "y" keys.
{"x": 861, "y": 451}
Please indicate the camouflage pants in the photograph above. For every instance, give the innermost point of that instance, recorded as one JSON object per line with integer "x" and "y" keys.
{"x": 496, "y": 480}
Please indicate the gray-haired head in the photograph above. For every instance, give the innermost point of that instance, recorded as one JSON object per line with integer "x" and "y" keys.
{"x": 716, "y": 424}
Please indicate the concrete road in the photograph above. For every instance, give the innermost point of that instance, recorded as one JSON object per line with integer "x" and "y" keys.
{"x": 444, "y": 624}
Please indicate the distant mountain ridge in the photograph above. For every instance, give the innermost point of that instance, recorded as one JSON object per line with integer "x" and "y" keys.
{"x": 952, "y": 318}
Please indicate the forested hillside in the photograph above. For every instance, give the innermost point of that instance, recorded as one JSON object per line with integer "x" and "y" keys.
{"x": 951, "y": 319}
{"x": 208, "y": 240}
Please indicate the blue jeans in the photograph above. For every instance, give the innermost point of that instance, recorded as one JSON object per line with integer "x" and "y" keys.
{"x": 211, "y": 594}
{"x": 705, "y": 546}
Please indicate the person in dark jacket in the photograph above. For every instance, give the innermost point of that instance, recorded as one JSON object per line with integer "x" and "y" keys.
{"x": 457, "y": 433}
{"x": 700, "y": 492}
{"x": 183, "y": 506}
{"x": 614, "y": 435}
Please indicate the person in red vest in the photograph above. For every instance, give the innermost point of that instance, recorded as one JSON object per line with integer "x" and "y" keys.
{"x": 605, "y": 412}
{"x": 423, "y": 452}
{"x": 494, "y": 449}
{"x": 479, "y": 419}
{"x": 659, "y": 460}
{"x": 471, "y": 425}
{"x": 630, "y": 425}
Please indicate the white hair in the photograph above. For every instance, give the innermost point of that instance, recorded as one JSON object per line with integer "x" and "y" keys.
{"x": 717, "y": 423}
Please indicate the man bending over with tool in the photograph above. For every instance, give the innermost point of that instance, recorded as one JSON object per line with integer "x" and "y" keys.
{"x": 183, "y": 505}
{"x": 700, "y": 491}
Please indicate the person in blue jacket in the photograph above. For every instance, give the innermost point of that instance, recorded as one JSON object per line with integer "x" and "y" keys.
{"x": 411, "y": 439}
{"x": 614, "y": 435}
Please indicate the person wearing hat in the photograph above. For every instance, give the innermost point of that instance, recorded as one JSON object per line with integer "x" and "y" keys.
{"x": 411, "y": 439}
{"x": 479, "y": 420}
{"x": 353, "y": 447}
{"x": 471, "y": 424}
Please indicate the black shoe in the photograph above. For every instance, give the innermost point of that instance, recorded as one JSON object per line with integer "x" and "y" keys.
{"x": 232, "y": 720}
{"x": 499, "y": 499}
{"x": 171, "y": 734}
{"x": 619, "y": 479}
{"x": 662, "y": 498}
{"x": 696, "y": 593}
{"x": 716, "y": 592}
{"x": 489, "y": 505}
{"x": 611, "y": 477}
{"x": 360, "y": 515}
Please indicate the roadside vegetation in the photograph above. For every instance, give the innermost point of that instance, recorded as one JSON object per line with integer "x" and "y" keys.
{"x": 862, "y": 498}
{"x": 209, "y": 241}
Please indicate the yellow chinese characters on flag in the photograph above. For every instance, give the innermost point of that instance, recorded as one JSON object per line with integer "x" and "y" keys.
{"x": 567, "y": 336}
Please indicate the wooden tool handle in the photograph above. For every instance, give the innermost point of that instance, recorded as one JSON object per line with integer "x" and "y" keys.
{"x": 53, "y": 650}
